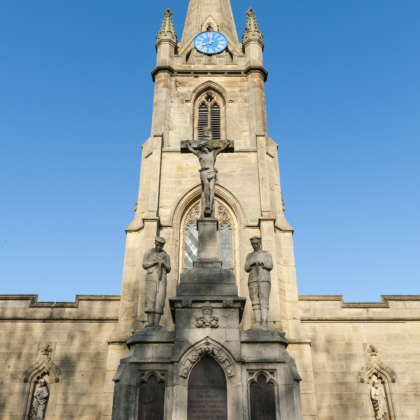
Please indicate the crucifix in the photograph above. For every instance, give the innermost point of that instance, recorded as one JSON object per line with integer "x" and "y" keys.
{"x": 207, "y": 150}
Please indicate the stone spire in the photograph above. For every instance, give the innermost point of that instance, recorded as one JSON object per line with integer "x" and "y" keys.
{"x": 252, "y": 29}
{"x": 215, "y": 13}
{"x": 167, "y": 30}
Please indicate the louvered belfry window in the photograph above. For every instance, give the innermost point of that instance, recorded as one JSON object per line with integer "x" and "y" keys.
{"x": 209, "y": 116}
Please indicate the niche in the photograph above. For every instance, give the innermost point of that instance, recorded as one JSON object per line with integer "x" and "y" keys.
{"x": 263, "y": 403}
{"x": 152, "y": 399}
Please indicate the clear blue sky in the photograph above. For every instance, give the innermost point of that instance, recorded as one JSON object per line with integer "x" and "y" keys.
{"x": 343, "y": 99}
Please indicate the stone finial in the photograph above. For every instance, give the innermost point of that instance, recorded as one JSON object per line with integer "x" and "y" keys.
{"x": 167, "y": 30}
{"x": 372, "y": 350}
{"x": 252, "y": 29}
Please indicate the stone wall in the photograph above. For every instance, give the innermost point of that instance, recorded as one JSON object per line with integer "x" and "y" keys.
{"x": 342, "y": 335}
{"x": 36, "y": 336}
{"x": 331, "y": 364}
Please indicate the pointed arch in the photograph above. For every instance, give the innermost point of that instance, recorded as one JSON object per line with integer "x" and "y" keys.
{"x": 221, "y": 191}
{"x": 41, "y": 369}
{"x": 376, "y": 369}
{"x": 237, "y": 221}
{"x": 209, "y": 85}
{"x": 207, "y": 347}
{"x": 209, "y": 111}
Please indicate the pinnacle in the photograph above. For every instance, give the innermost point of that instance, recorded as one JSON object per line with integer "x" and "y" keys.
{"x": 251, "y": 28}
{"x": 167, "y": 29}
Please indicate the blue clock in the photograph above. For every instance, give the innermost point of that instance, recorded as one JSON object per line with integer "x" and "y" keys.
{"x": 210, "y": 42}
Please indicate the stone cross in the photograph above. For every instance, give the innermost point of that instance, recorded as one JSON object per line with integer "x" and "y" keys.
{"x": 207, "y": 150}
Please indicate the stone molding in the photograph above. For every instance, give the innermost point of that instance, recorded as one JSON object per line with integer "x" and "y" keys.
{"x": 208, "y": 348}
{"x": 196, "y": 92}
{"x": 35, "y": 304}
{"x": 44, "y": 366}
{"x": 375, "y": 367}
{"x": 161, "y": 69}
{"x": 268, "y": 376}
{"x": 374, "y": 364}
{"x": 146, "y": 374}
{"x": 384, "y": 298}
{"x": 220, "y": 191}
{"x": 56, "y": 311}
{"x": 257, "y": 69}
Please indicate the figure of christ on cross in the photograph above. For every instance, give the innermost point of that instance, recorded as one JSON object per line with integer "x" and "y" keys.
{"x": 208, "y": 173}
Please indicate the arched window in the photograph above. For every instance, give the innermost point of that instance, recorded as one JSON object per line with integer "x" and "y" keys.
{"x": 209, "y": 112}
{"x": 225, "y": 237}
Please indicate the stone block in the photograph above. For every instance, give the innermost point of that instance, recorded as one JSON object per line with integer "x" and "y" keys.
{"x": 376, "y": 328}
{"x": 375, "y": 338}
{"x": 351, "y": 357}
{"x": 410, "y": 411}
{"x": 413, "y": 366}
{"x": 19, "y": 337}
{"x": 309, "y": 405}
{"x": 67, "y": 410}
{"x": 95, "y": 410}
{"x": 55, "y": 337}
{"x": 335, "y": 366}
{"x": 28, "y": 326}
{"x": 334, "y": 338}
{"x": 331, "y": 387}
{"x": 91, "y": 366}
{"x": 329, "y": 377}
{"x": 319, "y": 367}
{"x": 396, "y": 338}
{"x": 72, "y": 326}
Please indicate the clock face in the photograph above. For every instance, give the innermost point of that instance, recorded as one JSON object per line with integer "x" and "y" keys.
{"x": 210, "y": 42}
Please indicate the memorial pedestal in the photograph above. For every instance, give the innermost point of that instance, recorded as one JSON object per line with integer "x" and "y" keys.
{"x": 209, "y": 368}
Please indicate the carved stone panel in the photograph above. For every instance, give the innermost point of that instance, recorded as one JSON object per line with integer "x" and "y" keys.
{"x": 207, "y": 392}
{"x": 263, "y": 403}
{"x": 152, "y": 400}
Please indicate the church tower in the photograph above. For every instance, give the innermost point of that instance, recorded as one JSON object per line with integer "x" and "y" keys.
{"x": 226, "y": 91}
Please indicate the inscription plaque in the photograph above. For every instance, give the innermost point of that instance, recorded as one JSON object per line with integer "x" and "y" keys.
{"x": 207, "y": 392}
{"x": 263, "y": 404}
{"x": 151, "y": 400}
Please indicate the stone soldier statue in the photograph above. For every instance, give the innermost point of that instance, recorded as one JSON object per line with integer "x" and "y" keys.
{"x": 39, "y": 403}
{"x": 377, "y": 395}
{"x": 259, "y": 264}
{"x": 157, "y": 263}
{"x": 208, "y": 173}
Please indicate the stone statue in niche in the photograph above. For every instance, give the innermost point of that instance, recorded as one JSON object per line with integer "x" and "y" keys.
{"x": 377, "y": 395}
{"x": 207, "y": 320}
{"x": 39, "y": 403}
{"x": 259, "y": 264}
{"x": 157, "y": 263}
{"x": 263, "y": 404}
{"x": 152, "y": 400}
{"x": 208, "y": 173}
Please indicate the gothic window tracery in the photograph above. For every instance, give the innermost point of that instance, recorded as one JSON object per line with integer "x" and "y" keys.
{"x": 225, "y": 237}
{"x": 209, "y": 112}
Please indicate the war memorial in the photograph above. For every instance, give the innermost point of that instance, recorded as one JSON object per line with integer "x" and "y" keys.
{"x": 209, "y": 324}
